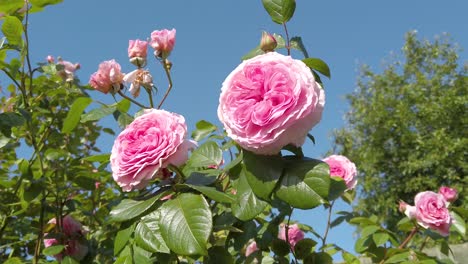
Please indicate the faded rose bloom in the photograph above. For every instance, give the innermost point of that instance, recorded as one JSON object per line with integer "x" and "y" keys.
{"x": 341, "y": 166}
{"x": 68, "y": 71}
{"x": 109, "y": 77}
{"x": 408, "y": 210}
{"x": 163, "y": 41}
{"x": 295, "y": 234}
{"x": 432, "y": 212}
{"x": 270, "y": 101}
{"x": 138, "y": 78}
{"x": 268, "y": 42}
{"x": 448, "y": 193}
{"x": 251, "y": 248}
{"x": 150, "y": 143}
{"x": 137, "y": 48}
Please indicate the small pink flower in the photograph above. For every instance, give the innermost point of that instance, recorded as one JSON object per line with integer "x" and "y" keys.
{"x": 109, "y": 77}
{"x": 163, "y": 42}
{"x": 270, "y": 101}
{"x": 341, "y": 166}
{"x": 138, "y": 78}
{"x": 50, "y": 59}
{"x": 97, "y": 184}
{"x": 251, "y": 248}
{"x": 150, "y": 143}
{"x": 449, "y": 194}
{"x": 137, "y": 48}
{"x": 408, "y": 210}
{"x": 432, "y": 212}
{"x": 295, "y": 234}
{"x": 68, "y": 71}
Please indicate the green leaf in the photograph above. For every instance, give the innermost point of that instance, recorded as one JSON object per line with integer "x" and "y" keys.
{"x": 53, "y": 250}
{"x": 380, "y": 238}
{"x": 69, "y": 260}
{"x": 124, "y": 120}
{"x": 13, "y": 260}
{"x": 98, "y": 158}
{"x": 43, "y": 3}
{"x": 318, "y": 258}
{"x": 141, "y": 256}
{"x": 296, "y": 43}
{"x": 10, "y": 6}
{"x": 208, "y": 154}
{"x": 305, "y": 183}
{"x": 203, "y": 129}
{"x": 12, "y": 28}
{"x": 398, "y": 257}
{"x": 122, "y": 238}
{"x": 247, "y": 205}
{"x": 98, "y": 113}
{"x": 148, "y": 235}
{"x": 458, "y": 223}
{"x": 369, "y": 230}
{"x": 304, "y": 247}
{"x": 9, "y": 120}
{"x": 186, "y": 224}
{"x": 84, "y": 182}
{"x": 280, "y": 11}
{"x": 262, "y": 172}
{"x": 362, "y": 244}
{"x": 217, "y": 255}
{"x": 124, "y": 105}
{"x": 337, "y": 188}
{"x": 214, "y": 194}
{"x": 350, "y": 258}
{"x": 128, "y": 209}
{"x": 318, "y": 65}
{"x": 73, "y": 116}
{"x": 280, "y": 247}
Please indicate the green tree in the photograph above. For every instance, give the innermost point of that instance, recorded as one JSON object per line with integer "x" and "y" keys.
{"x": 407, "y": 127}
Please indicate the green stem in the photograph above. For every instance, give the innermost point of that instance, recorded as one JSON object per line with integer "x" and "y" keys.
{"x": 131, "y": 100}
{"x": 169, "y": 79}
{"x": 324, "y": 239}
{"x": 288, "y": 46}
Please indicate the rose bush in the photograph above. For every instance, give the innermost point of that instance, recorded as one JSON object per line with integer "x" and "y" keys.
{"x": 153, "y": 141}
{"x": 270, "y": 101}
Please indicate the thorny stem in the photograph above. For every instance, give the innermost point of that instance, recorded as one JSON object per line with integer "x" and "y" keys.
{"x": 404, "y": 243}
{"x": 131, "y": 100}
{"x": 169, "y": 79}
{"x": 324, "y": 239}
{"x": 288, "y": 46}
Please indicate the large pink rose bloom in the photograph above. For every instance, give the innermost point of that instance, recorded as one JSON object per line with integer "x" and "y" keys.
{"x": 341, "y": 166}
{"x": 108, "y": 78}
{"x": 295, "y": 234}
{"x": 432, "y": 212}
{"x": 270, "y": 101}
{"x": 151, "y": 142}
{"x": 163, "y": 41}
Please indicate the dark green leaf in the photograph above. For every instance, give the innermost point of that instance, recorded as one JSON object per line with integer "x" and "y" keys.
{"x": 128, "y": 209}
{"x": 296, "y": 43}
{"x": 73, "y": 116}
{"x": 148, "y": 236}
{"x": 214, "y": 194}
{"x": 304, "y": 247}
{"x": 280, "y": 247}
{"x": 203, "y": 129}
{"x": 186, "y": 224}
{"x": 86, "y": 183}
{"x": 247, "y": 205}
{"x": 280, "y": 11}
{"x": 124, "y": 120}
{"x": 53, "y": 250}
{"x": 121, "y": 239}
{"x": 318, "y": 65}
{"x": 217, "y": 255}
{"x": 305, "y": 183}
{"x": 337, "y": 188}
{"x": 262, "y": 172}
{"x": 208, "y": 154}
{"x": 200, "y": 179}
{"x": 9, "y": 120}
{"x": 97, "y": 113}
{"x": 12, "y": 28}
{"x": 318, "y": 258}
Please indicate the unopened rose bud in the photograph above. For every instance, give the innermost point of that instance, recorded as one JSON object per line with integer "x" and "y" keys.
{"x": 268, "y": 42}
{"x": 450, "y": 194}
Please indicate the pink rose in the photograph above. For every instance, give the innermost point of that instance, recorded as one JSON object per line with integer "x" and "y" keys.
{"x": 50, "y": 59}
{"x": 163, "y": 42}
{"x": 448, "y": 193}
{"x": 295, "y": 234}
{"x": 251, "y": 248}
{"x": 137, "y": 48}
{"x": 150, "y": 143}
{"x": 108, "y": 77}
{"x": 270, "y": 101}
{"x": 432, "y": 212}
{"x": 341, "y": 166}
{"x": 70, "y": 226}
{"x": 68, "y": 71}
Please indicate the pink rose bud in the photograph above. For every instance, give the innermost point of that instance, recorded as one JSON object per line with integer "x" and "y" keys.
{"x": 108, "y": 78}
{"x": 268, "y": 42}
{"x": 432, "y": 212}
{"x": 408, "y": 210}
{"x": 50, "y": 59}
{"x": 295, "y": 234}
{"x": 449, "y": 194}
{"x": 137, "y": 156}
{"x": 251, "y": 248}
{"x": 270, "y": 101}
{"x": 163, "y": 42}
{"x": 341, "y": 166}
{"x": 137, "y": 48}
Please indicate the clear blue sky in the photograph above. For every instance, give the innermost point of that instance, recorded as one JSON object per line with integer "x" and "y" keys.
{"x": 213, "y": 35}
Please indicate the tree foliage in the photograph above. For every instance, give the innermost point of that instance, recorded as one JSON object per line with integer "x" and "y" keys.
{"x": 407, "y": 127}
